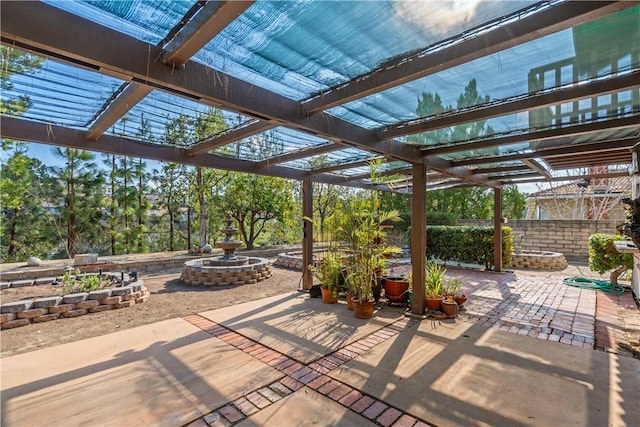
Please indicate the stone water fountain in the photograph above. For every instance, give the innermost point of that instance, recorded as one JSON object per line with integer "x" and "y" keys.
{"x": 228, "y": 269}
{"x": 229, "y": 246}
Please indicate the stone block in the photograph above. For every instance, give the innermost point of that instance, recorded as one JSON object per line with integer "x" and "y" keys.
{"x": 75, "y": 313}
{"x": 100, "y": 308}
{"x": 22, "y": 283}
{"x": 85, "y": 305}
{"x": 124, "y": 290}
{"x": 75, "y": 298}
{"x": 16, "y": 306}
{"x": 61, "y": 308}
{"x": 31, "y": 313}
{"x": 46, "y": 318}
{"x": 101, "y": 294}
{"x": 110, "y": 300}
{"x": 124, "y": 304}
{"x": 5, "y": 285}
{"x": 7, "y": 317}
{"x": 44, "y": 280}
{"x": 15, "y": 323}
{"x": 46, "y": 302}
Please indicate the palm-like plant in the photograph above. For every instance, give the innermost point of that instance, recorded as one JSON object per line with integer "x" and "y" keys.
{"x": 367, "y": 252}
{"x": 434, "y": 280}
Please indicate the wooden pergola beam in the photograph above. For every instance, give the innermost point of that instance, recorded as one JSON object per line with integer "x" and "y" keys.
{"x": 556, "y": 132}
{"x": 210, "y": 20}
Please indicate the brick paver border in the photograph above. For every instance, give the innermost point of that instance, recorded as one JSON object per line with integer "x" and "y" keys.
{"x": 312, "y": 375}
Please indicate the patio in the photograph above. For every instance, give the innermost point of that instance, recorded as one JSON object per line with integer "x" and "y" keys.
{"x": 515, "y": 357}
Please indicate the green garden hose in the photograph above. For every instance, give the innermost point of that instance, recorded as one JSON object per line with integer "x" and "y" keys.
{"x": 595, "y": 284}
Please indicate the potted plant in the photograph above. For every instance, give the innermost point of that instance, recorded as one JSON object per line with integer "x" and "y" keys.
{"x": 329, "y": 271}
{"x": 452, "y": 288}
{"x": 367, "y": 257}
{"x": 434, "y": 285}
{"x": 364, "y": 229}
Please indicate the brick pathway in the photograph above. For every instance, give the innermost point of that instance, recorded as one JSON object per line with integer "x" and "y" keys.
{"x": 540, "y": 305}
{"x": 617, "y": 324}
{"x": 537, "y": 305}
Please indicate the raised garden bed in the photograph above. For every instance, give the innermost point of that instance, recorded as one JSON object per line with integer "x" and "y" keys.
{"x": 60, "y": 305}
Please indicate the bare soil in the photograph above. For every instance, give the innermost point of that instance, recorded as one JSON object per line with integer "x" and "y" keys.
{"x": 169, "y": 299}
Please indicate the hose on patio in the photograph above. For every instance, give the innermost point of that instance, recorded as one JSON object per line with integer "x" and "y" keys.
{"x": 595, "y": 284}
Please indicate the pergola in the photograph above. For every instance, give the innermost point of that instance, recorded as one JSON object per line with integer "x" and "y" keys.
{"x": 329, "y": 86}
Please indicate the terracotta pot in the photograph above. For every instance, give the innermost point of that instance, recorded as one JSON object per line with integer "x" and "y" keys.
{"x": 434, "y": 304}
{"x": 349, "y": 295}
{"x": 450, "y": 308}
{"x": 328, "y": 296}
{"x": 362, "y": 310}
{"x": 460, "y": 300}
{"x": 396, "y": 289}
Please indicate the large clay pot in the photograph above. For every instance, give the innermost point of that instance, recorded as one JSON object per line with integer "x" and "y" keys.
{"x": 328, "y": 297}
{"x": 349, "y": 297}
{"x": 460, "y": 300}
{"x": 450, "y": 308}
{"x": 434, "y": 304}
{"x": 396, "y": 289}
{"x": 363, "y": 310}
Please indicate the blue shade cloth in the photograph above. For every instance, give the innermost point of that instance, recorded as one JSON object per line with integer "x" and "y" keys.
{"x": 147, "y": 20}
{"x": 527, "y": 147}
{"x": 552, "y": 61}
{"x": 150, "y": 119}
{"x": 61, "y": 94}
{"x": 272, "y": 143}
{"x": 299, "y": 48}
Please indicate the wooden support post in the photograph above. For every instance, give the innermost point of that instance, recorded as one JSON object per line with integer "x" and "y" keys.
{"x": 307, "y": 233}
{"x": 418, "y": 237}
{"x": 497, "y": 229}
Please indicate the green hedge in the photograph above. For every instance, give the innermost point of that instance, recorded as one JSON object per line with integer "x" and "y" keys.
{"x": 603, "y": 255}
{"x": 467, "y": 244}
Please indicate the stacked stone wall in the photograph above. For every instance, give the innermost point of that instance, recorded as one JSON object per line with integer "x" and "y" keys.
{"x": 25, "y": 312}
{"x": 568, "y": 237}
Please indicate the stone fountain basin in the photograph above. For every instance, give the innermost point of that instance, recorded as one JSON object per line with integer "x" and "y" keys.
{"x": 204, "y": 272}
{"x": 546, "y": 260}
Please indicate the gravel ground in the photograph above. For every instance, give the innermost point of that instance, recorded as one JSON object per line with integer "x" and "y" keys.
{"x": 169, "y": 299}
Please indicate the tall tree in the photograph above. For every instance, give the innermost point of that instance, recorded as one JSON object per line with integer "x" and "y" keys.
{"x": 254, "y": 201}
{"x": 82, "y": 200}
{"x": 13, "y": 61}
{"x": 205, "y": 126}
{"x": 24, "y": 231}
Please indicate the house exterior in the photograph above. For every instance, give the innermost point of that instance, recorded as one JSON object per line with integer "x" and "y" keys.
{"x": 595, "y": 199}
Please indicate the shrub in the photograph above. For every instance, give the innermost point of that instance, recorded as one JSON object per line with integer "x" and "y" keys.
{"x": 468, "y": 244}
{"x": 604, "y": 257}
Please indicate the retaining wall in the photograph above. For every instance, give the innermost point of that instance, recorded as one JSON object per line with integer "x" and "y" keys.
{"x": 24, "y": 312}
{"x": 569, "y": 237}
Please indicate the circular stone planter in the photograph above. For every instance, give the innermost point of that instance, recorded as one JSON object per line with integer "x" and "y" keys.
{"x": 292, "y": 259}
{"x": 539, "y": 260}
{"x": 25, "y": 312}
{"x": 209, "y": 272}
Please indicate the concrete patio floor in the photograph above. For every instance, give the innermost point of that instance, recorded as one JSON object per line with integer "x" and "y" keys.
{"x": 522, "y": 354}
